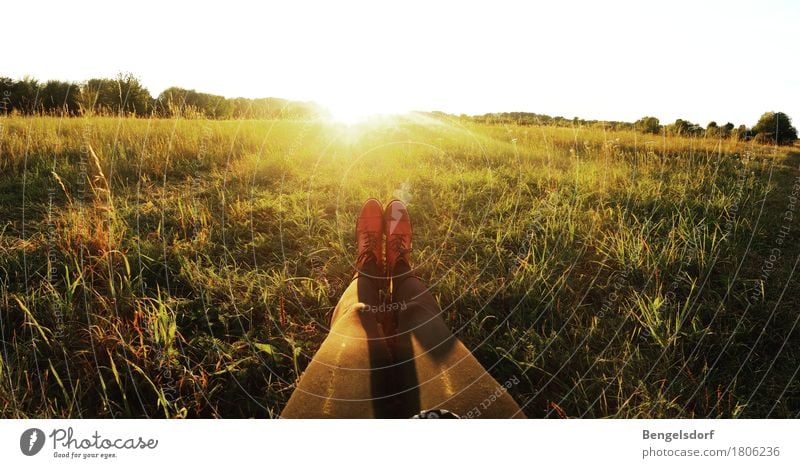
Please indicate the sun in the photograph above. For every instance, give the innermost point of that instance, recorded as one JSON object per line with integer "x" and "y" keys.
{"x": 352, "y": 113}
{"x": 350, "y": 107}
{"x": 349, "y": 115}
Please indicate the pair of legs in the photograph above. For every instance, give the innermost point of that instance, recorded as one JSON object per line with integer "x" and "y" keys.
{"x": 394, "y": 360}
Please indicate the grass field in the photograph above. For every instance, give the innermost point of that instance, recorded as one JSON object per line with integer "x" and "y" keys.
{"x": 187, "y": 268}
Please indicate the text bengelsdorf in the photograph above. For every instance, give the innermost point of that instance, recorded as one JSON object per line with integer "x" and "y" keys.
{"x": 680, "y": 435}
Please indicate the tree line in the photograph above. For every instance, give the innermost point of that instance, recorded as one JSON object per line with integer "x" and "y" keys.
{"x": 530, "y": 118}
{"x": 125, "y": 95}
{"x": 772, "y": 127}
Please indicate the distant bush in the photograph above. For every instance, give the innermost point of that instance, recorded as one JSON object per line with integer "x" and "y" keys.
{"x": 188, "y": 103}
{"x": 741, "y": 133}
{"x": 19, "y": 96}
{"x": 764, "y": 138}
{"x": 60, "y": 97}
{"x": 530, "y": 118}
{"x": 648, "y": 125}
{"x": 775, "y": 127}
{"x": 685, "y": 128}
{"x": 121, "y": 95}
{"x": 726, "y": 130}
{"x": 712, "y": 130}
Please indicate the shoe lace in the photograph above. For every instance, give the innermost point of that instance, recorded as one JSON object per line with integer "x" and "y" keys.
{"x": 367, "y": 254}
{"x": 397, "y": 244}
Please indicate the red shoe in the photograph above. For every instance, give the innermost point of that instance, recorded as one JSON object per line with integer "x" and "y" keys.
{"x": 397, "y": 225}
{"x": 369, "y": 233}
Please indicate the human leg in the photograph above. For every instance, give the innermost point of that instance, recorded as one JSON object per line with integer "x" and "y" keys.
{"x": 436, "y": 365}
{"x": 448, "y": 375}
{"x": 349, "y": 376}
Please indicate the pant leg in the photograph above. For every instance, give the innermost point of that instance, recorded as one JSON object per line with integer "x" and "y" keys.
{"x": 439, "y": 368}
{"x": 349, "y": 377}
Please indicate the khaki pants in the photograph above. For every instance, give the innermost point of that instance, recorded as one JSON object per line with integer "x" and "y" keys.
{"x": 363, "y": 371}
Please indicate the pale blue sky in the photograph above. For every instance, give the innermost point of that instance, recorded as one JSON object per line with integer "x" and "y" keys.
{"x": 614, "y": 60}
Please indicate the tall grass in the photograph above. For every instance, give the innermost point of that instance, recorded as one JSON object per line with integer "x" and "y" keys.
{"x": 174, "y": 268}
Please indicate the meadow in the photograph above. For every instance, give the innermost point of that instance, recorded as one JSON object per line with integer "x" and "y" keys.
{"x": 188, "y": 267}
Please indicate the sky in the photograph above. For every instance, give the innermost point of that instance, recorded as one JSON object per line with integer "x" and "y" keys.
{"x": 605, "y": 60}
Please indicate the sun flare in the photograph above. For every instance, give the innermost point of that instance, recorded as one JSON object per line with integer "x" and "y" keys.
{"x": 349, "y": 115}
{"x": 353, "y": 113}
{"x": 357, "y": 109}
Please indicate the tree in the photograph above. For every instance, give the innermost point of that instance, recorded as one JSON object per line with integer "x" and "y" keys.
{"x": 190, "y": 103}
{"x": 648, "y": 125}
{"x": 60, "y": 97}
{"x": 25, "y": 95}
{"x": 135, "y": 98}
{"x": 685, "y": 128}
{"x": 726, "y": 130}
{"x": 775, "y": 127}
{"x": 124, "y": 94}
{"x": 99, "y": 94}
{"x": 741, "y": 133}
{"x": 712, "y": 130}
